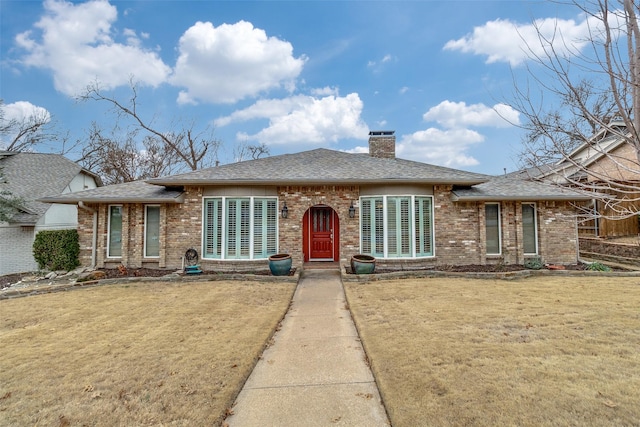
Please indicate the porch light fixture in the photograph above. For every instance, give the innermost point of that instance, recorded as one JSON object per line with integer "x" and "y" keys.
{"x": 352, "y": 210}
{"x": 285, "y": 210}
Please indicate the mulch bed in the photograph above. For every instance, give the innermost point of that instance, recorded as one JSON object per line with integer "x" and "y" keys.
{"x": 114, "y": 273}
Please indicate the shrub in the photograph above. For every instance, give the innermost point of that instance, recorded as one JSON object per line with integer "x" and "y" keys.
{"x": 57, "y": 249}
{"x": 533, "y": 263}
{"x": 597, "y": 266}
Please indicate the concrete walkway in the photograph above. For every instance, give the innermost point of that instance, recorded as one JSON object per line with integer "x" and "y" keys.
{"x": 315, "y": 373}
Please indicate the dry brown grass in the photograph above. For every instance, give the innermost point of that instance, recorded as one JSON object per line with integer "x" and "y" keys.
{"x": 138, "y": 354}
{"x": 534, "y": 352}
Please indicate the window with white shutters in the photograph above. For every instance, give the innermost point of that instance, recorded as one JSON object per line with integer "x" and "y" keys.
{"x": 396, "y": 226}
{"x": 240, "y": 228}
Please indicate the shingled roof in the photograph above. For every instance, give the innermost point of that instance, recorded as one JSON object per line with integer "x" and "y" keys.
{"x": 509, "y": 188}
{"x": 323, "y": 166}
{"x": 128, "y": 192}
{"x": 31, "y": 176}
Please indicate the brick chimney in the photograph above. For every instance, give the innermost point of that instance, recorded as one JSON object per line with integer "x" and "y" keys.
{"x": 382, "y": 144}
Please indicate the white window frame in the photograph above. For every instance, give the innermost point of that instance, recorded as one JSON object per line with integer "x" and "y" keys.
{"x": 223, "y": 255}
{"x": 411, "y": 224}
{"x": 144, "y": 249}
{"x": 499, "y": 229}
{"x": 535, "y": 227}
{"x": 109, "y": 230}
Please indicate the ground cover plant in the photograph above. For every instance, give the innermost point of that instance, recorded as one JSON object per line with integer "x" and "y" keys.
{"x": 152, "y": 353}
{"x": 534, "y": 352}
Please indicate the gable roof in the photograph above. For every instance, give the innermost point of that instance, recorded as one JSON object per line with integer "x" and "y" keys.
{"x": 128, "y": 192}
{"x": 508, "y": 188}
{"x": 323, "y": 166}
{"x": 601, "y": 144}
{"x": 31, "y": 176}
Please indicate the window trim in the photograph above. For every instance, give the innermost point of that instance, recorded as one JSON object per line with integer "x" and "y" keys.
{"x": 224, "y": 228}
{"x": 499, "y": 225}
{"x": 412, "y": 224}
{"x": 109, "y": 230}
{"x": 145, "y": 238}
{"x": 535, "y": 228}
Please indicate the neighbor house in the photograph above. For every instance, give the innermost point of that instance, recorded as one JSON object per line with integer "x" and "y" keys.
{"x": 606, "y": 164}
{"x": 326, "y": 205}
{"x": 30, "y": 176}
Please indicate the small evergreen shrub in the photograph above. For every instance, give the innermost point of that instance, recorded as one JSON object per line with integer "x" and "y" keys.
{"x": 533, "y": 263}
{"x": 597, "y": 266}
{"x": 57, "y": 249}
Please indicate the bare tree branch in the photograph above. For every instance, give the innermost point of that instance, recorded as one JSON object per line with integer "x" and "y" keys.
{"x": 587, "y": 100}
{"x": 193, "y": 149}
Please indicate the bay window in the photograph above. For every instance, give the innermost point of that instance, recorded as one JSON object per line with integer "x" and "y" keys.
{"x": 240, "y": 227}
{"x": 396, "y": 226}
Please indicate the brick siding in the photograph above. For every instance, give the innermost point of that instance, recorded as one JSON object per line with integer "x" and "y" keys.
{"x": 459, "y": 231}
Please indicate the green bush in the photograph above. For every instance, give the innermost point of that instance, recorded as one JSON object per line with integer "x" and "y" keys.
{"x": 597, "y": 266}
{"x": 533, "y": 263}
{"x": 57, "y": 249}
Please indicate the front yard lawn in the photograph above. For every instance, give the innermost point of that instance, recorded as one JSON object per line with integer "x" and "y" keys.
{"x": 532, "y": 352}
{"x": 153, "y": 353}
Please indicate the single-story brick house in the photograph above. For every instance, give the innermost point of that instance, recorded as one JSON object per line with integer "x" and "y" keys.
{"x": 326, "y": 205}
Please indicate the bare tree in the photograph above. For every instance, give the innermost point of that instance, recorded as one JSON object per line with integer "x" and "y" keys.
{"x": 121, "y": 158}
{"x": 192, "y": 149}
{"x": 9, "y": 203}
{"x": 28, "y": 132}
{"x": 584, "y": 97}
{"x": 246, "y": 151}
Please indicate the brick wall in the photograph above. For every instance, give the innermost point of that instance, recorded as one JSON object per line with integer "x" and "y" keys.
{"x": 557, "y": 233}
{"x": 300, "y": 198}
{"x": 457, "y": 235}
{"x": 459, "y": 230}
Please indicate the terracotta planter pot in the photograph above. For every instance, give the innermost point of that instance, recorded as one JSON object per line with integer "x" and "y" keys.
{"x": 363, "y": 264}
{"x": 280, "y": 264}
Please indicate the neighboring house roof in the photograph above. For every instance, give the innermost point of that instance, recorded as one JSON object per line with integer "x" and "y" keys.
{"x": 573, "y": 166}
{"x": 533, "y": 172}
{"x": 31, "y": 176}
{"x": 508, "y": 188}
{"x": 129, "y": 192}
{"x": 323, "y": 166}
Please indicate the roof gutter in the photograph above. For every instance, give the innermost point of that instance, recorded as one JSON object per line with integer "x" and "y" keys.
{"x": 294, "y": 182}
{"x": 94, "y": 240}
{"x": 498, "y": 198}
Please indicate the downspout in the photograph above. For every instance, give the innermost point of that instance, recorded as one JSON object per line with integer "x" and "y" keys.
{"x": 94, "y": 239}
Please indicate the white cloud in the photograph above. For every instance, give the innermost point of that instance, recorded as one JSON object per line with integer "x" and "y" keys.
{"x": 503, "y": 40}
{"x": 304, "y": 120}
{"x": 378, "y": 65}
{"x": 440, "y": 147}
{"x": 449, "y": 146}
{"x": 22, "y": 112}
{"x": 324, "y": 91}
{"x": 75, "y": 42}
{"x": 403, "y": 90}
{"x": 230, "y": 62}
{"x": 459, "y": 114}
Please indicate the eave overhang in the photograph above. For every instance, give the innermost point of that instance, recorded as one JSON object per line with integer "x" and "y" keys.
{"x": 112, "y": 200}
{"x": 307, "y": 182}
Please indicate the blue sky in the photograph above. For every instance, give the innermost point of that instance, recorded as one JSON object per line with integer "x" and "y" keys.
{"x": 294, "y": 75}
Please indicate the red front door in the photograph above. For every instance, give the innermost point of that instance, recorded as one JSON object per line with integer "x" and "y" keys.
{"x": 321, "y": 221}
